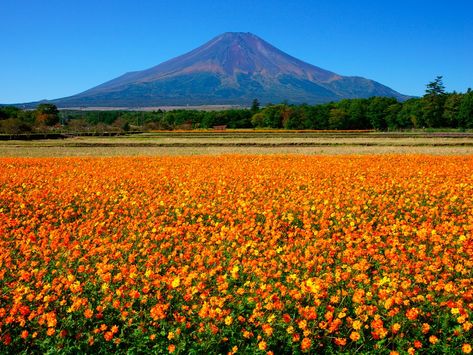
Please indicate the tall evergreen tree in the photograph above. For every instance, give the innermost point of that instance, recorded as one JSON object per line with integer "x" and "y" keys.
{"x": 255, "y": 106}
{"x": 433, "y": 103}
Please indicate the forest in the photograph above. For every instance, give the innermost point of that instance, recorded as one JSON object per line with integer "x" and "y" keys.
{"x": 435, "y": 109}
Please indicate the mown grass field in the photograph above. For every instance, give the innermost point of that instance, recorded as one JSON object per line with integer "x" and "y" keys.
{"x": 246, "y": 142}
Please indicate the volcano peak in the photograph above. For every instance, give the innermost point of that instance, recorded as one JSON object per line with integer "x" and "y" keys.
{"x": 231, "y": 68}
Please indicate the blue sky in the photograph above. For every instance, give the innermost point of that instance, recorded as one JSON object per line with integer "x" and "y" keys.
{"x": 53, "y": 48}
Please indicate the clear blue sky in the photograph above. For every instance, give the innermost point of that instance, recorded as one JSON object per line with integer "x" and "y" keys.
{"x": 57, "y": 48}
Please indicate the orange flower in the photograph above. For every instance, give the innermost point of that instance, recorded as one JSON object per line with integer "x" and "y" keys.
{"x": 467, "y": 326}
{"x": 355, "y": 336}
{"x": 412, "y": 313}
{"x": 108, "y": 336}
{"x": 395, "y": 328}
{"x": 339, "y": 244}
{"x": 88, "y": 313}
{"x": 340, "y": 341}
{"x": 267, "y": 329}
{"x": 425, "y": 328}
{"x": 305, "y": 344}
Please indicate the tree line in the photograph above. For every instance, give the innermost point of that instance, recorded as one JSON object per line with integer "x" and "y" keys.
{"x": 436, "y": 109}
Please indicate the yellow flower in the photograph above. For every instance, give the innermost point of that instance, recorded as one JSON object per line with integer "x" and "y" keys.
{"x": 262, "y": 345}
{"x": 176, "y": 282}
{"x": 356, "y": 325}
{"x": 302, "y": 324}
{"x": 234, "y": 271}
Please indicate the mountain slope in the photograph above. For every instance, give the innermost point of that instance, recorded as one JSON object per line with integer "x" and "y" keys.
{"x": 232, "y": 68}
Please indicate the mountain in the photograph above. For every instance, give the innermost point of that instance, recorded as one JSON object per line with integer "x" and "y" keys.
{"x": 233, "y": 68}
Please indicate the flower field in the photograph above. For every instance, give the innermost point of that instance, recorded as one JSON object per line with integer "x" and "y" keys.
{"x": 237, "y": 254}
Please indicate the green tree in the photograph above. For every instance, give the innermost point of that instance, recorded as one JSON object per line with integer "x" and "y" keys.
{"x": 377, "y": 111}
{"x": 9, "y": 112}
{"x": 14, "y": 126}
{"x": 451, "y": 109}
{"x": 294, "y": 118}
{"x": 287, "y": 115}
{"x": 273, "y": 117}
{"x": 435, "y": 87}
{"x": 257, "y": 120}
{"x": 357, "y": 114}
{"x": 319, "y": 116}
{"x": 411, "y": 114}
{"x": 241, "y": 119}
{"x": 465, "y": 112}
{"x": 208, "y": 119}
{"x": 126, "y": 126}
{"x": 47, "y": 114}
{"x": 337, "y": 118}
{"x": 255, "y": 106}
{"x": 433, "y": 103}
{"x": 392, "y": 113}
